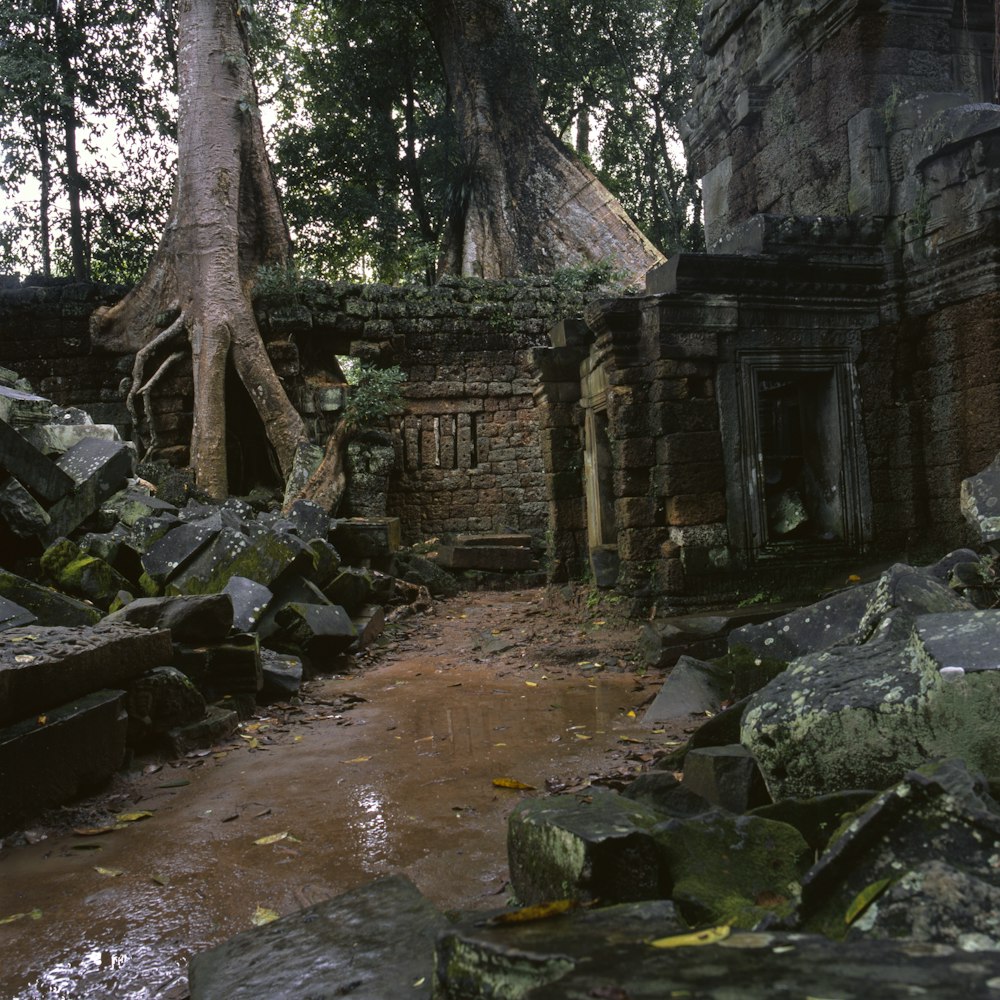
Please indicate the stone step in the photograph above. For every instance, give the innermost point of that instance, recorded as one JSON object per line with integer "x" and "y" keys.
{"x": 514, "y": 541}
{"x": 488, "y": 557}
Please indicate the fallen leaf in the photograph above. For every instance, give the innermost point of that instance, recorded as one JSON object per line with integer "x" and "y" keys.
{"x": 179, "y": 783}
{"x": 628, "y": 739}
{"x": 513, "y": 783}
{"x": 543, "y": 911}
{"x": 42, "y": 719}
{"x": 711, "y": 935}
{"x": 262, "y": 915}
{"x": 110, "y": 872}
{"x": 134, "y": 817}
{"x": 531, "y": 684}
{"x": 630, "y": 713}
{"x": 152, "y": 768}
{"x": 272, "y": 838}
{"x": 583, "y": 736}
{"x": 33, "y": 914}
{"x": 86, "y": 847}
{"x": 865, "y": 898}
{"x": 94, "y": 831}
{"x": 160, "y": 879}
{"x": 361, "y": 760}
{"x": 417, "y": 983}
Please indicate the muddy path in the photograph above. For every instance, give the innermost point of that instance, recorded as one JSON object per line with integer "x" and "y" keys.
{"x": 387, "y": 769}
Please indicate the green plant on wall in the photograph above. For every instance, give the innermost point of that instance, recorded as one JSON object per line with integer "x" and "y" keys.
{"x": 373, "y": 394}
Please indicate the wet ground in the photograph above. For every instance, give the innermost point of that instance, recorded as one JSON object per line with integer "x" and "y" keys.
{"x": 387, "y": 769}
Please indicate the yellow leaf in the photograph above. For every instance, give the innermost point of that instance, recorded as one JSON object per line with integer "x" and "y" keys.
{"x": 630, "y": 713}
{"x": 95, "y": 831}
{"x": 582, "y": 736}
{"x": 110, "y": 872}
{"x": 34, "y": 915}
{"x": 262, "y": 915}
{"x": 42, "y": 719}
{"x": 531, "y": 684}
{"x": 298, "y": 739}
{"x": 253, "y": 744}
{"x": 854, "y": 578}
{"x": 417, "y": 983}
{"x": 361, "y": 760}
{"x": 513, "y": 783}
{"x": 711, "y": 935}
{"x": 628, "y": 739}
{"x": 865, "y": 898}
{"x": 543, "y": 911}
{"x": 133, "y": 817}
{"x": 272, "y": 838}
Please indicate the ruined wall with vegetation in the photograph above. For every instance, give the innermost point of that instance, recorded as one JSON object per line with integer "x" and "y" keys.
{"x": 468, "y": 453}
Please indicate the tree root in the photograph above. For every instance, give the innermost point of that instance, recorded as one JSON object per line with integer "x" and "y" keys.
{"x": 141, "y": 390}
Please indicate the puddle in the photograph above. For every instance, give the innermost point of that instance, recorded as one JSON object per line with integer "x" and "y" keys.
{"x": 405, "y": 787}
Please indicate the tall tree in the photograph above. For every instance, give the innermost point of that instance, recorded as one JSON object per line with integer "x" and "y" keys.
{"x": 226, "y": 222}
{"x": 75, "y": 102}
{"x": 524, "y": 203}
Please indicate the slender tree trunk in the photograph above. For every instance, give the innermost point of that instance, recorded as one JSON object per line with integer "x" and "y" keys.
{"x": 583, "y": 130}
{"x": 44, "y": 195}
{"x": 226, "y": 222}
{"x": 74, "y": 182}
{"x": 525, "y": 203}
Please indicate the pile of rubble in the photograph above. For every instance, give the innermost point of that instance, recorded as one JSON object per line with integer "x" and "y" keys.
{"x": 137, "y": 622}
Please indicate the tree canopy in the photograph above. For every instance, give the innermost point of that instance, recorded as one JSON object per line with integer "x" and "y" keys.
{"x": 361, "y": 121}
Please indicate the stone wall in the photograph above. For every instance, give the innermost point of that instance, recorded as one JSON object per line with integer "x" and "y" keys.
{"x": 468, "y": 452}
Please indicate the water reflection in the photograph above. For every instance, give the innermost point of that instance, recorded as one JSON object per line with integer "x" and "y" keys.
{"x": 371, "y": 829}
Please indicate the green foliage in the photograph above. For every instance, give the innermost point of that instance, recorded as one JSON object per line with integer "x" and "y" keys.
{"x": 360, "y": 139}
{"x": 373, "y": 394}
{"x": 602, "y": 278}
{"x": 85, "y": 114}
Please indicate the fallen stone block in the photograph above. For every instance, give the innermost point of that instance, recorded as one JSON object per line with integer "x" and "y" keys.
{"x": 321, "y": 632}
{"x": 13, "y": 615}
{"x": 486, "y": 958}
{"x": 21, "y": 512}
{"x": 159, "y": 700}
{"x": 369, "y": 624}
{"x": 231, "y": 553}
{"x": 508, "y": 540}
{"x": 351, "y": 589}
{"x": 979, "y": 502}
{"x": 172, "y": 552}
{"x": 373, "y": 943}
{"x": 53, "y": 757}
{"x": 147, "y": 531}
{"x": 599, "y": 848}
{"x": 693, "y": 687}
{"x": 726, "y": 776}
{"x": 291, "y": 589}
{"x": 662, "y": 643}
{"x": 55, "y": 439}
{"x": 32, "y": 468}
{"x": 38, "y": 661}
{"x": 726, "y": 869}
{"x": 940, "y": 812}
{"x": 22, "y": 408}
{"x": 764, "y": 966}
{"x": 414, "y": 568}
{"x": 358, "y": 539}
{"x": 191, "y": 620}
{"x": 99, "y": 470}
{"x": 249, "y": 601}
{"x": 325, "y": 561}
{"x": 48, "y": 605}
{"x": 860, "y": 716}
{"x": 911, "y": 592}
{"x": 819, "y": 817}
{"x": 668, "y": 796}
{"x": 131, "y": 506}
{"x": 807, "y": 630}
{"x": 84, "y": 575}
{"x": 309, "y": 519}
{"x": 217, "y": 724}
{"x": 282, "y": 674}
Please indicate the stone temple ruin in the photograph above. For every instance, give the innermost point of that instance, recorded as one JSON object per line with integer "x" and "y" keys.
{"x": 822, "y": 380}
{"x": 815, "y": 386}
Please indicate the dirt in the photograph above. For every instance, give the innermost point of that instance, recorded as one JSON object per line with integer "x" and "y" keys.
{"x": 387, "y": 769}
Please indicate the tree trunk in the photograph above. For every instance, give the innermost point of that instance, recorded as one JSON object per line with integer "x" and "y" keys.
{"x": 526, "y": 204}
{"x": 225, "y": 223}
{"x": 44, "y": 194}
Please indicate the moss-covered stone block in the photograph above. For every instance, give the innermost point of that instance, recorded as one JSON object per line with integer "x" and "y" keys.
{"x": 726, "y": 869}
{"x": 597, "y": 847}
{"x": 83, "y": 575}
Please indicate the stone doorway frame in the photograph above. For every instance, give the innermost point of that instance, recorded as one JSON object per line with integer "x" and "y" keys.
{"x": 748, "y": 519}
